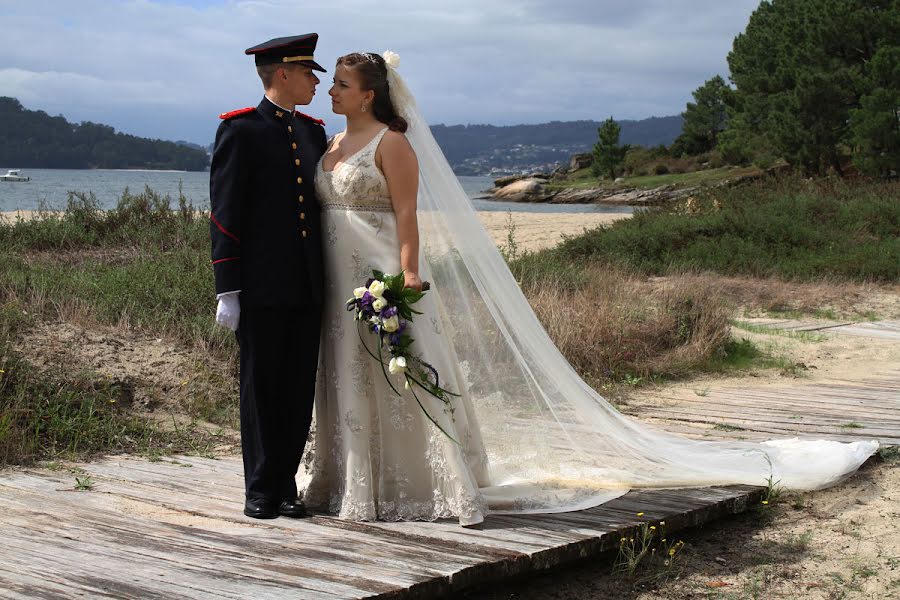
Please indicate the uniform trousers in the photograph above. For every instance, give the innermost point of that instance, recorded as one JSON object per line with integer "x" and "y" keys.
{"x": 279, "y": 351}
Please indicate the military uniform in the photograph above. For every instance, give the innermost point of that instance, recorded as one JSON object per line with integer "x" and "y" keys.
{"x": 266, "y": 245}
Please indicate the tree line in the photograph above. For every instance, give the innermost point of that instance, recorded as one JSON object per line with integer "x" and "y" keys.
{"x": 813, "y": 82}
{"x": 35, "y": 139}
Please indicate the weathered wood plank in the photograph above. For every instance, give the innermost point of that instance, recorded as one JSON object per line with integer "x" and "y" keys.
{"x": 136, "y": 536}
{"x": 174, "y": 528}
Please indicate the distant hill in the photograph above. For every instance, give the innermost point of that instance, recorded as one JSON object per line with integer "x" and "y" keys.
{"x": 32, "y": 138}
{"x": 482, "y": 149}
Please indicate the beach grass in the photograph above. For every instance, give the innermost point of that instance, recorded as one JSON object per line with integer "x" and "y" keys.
{"x": 142, "y": 266}
{"x": 790, "y": 228}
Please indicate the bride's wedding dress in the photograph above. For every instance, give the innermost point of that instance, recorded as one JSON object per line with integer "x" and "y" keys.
{"x": 376, "y": 455}
{"x": 534, "y": 437}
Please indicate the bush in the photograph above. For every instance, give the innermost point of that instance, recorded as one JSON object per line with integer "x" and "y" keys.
{"x": 789, "y": 228}
{"x": 660, "y": 169}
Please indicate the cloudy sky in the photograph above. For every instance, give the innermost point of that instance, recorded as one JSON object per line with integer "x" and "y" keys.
{"x": 167, "y": 68}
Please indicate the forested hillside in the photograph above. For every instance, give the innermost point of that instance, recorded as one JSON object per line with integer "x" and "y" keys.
{"x": 32, "y": 138}
{"x": 476, "y": 149}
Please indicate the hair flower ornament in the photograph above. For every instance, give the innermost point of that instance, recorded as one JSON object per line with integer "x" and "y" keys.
{"x": 391, "y": 59}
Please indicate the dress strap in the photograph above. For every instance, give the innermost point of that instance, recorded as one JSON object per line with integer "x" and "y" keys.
{"x": 373, "y": 145}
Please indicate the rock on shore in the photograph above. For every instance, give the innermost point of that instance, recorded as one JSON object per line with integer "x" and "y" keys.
{"x": 534, "y": 189}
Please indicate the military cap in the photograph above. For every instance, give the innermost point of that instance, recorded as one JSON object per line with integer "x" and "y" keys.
{"x": 292, "y": 49}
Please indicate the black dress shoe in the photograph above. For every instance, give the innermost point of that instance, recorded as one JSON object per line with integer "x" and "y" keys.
{"x": 292, "y": 508}
{"x": 260, "y": 508}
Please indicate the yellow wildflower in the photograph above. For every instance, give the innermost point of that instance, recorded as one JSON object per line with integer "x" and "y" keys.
{"x": 640, "y": 514}
{"x": 765, "y": 501}
{"x": 652, "y": 528}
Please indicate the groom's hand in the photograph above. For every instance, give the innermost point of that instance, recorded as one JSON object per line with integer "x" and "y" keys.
{"x": 228, "y": 312}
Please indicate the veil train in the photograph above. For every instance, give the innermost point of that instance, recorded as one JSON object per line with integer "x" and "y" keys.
{"x": 554, "y": 444}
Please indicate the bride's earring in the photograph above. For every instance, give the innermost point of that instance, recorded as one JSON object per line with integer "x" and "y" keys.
{"x": 365, "y": 107}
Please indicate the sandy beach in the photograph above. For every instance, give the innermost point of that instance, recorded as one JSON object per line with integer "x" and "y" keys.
{"x": 536, "y": 231}
{"x": 533, "y": 231}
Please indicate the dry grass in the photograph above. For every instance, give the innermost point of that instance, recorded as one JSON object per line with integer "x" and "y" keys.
{"x": 824, "y": 298}
{"x": 616, "y": 329}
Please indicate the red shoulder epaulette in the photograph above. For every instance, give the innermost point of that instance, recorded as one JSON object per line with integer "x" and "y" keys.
{"x": 234, "y": 113}
{"x": 297, "y": 113}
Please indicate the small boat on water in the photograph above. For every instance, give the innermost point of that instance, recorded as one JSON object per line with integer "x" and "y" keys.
{"x": 13, "y": 175}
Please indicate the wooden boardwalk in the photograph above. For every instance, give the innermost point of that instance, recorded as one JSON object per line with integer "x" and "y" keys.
{"x": 844, "y": 411}
{"x": 839, "y": 410}
{"x": 173, "y": 529}
{"x": 888, "y": 330}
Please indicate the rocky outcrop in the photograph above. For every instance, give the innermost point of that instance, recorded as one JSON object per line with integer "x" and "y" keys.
{"x": 580, "y": 161}
{"x": 534, "y": 190}
{"x": 626, "y": 196}
{"x": 531, "y": 189}
{"x": 504, "y": 181}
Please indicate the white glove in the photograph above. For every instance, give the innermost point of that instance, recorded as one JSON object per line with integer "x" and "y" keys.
{"x": 228, "y": 312}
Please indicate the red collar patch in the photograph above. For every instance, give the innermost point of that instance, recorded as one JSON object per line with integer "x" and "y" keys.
{"x": 297, "y": 113}
{"x": 234, "y": 113}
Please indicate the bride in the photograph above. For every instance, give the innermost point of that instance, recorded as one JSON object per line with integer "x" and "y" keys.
{"x": 523, "y": 433}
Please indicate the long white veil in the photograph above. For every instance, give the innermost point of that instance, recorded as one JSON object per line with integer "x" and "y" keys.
{"x": 554, "y": 444}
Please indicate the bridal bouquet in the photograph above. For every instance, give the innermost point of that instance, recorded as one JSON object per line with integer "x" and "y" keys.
{"x": 384, "y": 307}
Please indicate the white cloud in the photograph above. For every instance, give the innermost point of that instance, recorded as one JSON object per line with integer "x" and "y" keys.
{"x": 167, "y": 68}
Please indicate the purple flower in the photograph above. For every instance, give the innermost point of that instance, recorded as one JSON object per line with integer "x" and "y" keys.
{"x": 389, "y": 312}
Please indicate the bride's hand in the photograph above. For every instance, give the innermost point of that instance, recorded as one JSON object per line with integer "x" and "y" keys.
{"x": 411, "y": 280}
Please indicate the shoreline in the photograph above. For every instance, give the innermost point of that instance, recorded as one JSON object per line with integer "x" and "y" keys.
{"x": 532, "y": 230}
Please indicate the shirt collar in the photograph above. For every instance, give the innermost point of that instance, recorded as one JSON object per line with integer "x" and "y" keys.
{"x": 288, "y": 111}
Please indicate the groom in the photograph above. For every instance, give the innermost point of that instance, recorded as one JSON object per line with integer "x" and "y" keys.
{"x": 267, "y": 259}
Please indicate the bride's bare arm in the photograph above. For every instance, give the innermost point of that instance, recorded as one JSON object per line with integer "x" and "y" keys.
{"x": 401, "y": 170}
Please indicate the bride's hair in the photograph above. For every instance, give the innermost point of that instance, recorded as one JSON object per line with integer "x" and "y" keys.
{"x": 372, "y": 70}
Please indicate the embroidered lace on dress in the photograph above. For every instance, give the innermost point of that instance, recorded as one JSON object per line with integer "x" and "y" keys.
{"x": 376, "y": 456}
{"x": 355, "y": 184}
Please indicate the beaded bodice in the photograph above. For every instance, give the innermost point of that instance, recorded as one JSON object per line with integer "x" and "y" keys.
{"x": 356, "y": 183}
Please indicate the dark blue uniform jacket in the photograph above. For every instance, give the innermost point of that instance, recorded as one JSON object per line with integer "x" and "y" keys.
{"x": 264, "y": 220}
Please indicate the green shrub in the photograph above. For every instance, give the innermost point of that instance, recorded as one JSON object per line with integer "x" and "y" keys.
{"x": 790, "y": 228}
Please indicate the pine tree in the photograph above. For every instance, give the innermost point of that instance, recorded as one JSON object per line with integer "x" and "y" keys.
{"x": 875, "y": 125}
{"x": 607, "y": 153}
{"x": 800, "y": 69}
{"x": 705, "y": 118}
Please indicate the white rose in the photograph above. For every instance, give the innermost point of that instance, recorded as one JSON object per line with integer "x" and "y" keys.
{"x": 391, "y": 325}
{"x": 391, "y": 58}
{"x": 376, "y": 288}
{"x": 379, "y": 304}
{"x": 397, "y": 365}
{"x": 359, "y": 292}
